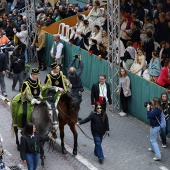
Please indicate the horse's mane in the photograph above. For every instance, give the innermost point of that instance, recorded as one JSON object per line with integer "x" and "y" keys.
{"x": 66, "y": 98}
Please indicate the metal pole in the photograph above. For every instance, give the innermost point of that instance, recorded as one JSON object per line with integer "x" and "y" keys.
{"x": 113, "y": 23}
{"x": 31, "y": 21}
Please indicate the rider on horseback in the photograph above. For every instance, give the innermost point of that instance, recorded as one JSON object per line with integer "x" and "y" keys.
{"x": 30, "y": 92}
{"x": 55, "y": 81}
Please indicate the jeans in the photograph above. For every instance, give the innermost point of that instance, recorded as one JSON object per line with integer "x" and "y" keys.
{"x": 17, "y": 77}
{"x": 26, "y": 55}
{"x": 77, "y": 94}
{"x": 32, "y": 160}
{"x": 165, "y": 131}
{"x": 154, "y": 145}
{"x": 2, "y": 83}
{"x": 98, "y": 147}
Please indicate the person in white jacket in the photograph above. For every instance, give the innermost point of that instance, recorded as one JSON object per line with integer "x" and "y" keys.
{"x": 22, "y": 36}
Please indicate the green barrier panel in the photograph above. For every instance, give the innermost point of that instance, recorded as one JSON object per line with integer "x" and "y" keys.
{"x": 142, "y": 90}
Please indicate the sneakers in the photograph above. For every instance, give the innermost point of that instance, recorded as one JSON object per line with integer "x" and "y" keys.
{"x": 156, "y": 159}
{"x": 164, "y": 146}
{"x": 4, "y": 94}
{"x": 120, "y": 113}
{"x": 123, "y": 114}
{"x": 149, "y": 149}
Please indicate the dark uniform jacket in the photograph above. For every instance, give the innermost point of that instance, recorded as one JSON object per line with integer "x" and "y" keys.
{"x": 95, "y": 93}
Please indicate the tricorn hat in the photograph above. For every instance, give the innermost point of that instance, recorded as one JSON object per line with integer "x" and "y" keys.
{"x": 54, "y": 65}
{"x": 35, "y": 71}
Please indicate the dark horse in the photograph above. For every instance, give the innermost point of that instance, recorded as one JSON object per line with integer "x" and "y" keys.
{"x": 68, "y": 108}
{"x": 44, "y": 123}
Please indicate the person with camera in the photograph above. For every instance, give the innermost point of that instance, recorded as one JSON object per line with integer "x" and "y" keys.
{"x": 75, "y": 79}
{"x": 165, "y": 104}
{"x": 100, "y": 93}
{"x": 154, "y": 115}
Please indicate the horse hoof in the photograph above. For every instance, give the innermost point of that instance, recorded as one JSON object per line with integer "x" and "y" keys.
{"x": 74, "y": 152}
{"x": 64, "y": 151}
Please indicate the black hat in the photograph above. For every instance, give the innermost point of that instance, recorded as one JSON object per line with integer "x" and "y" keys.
{"x": 54, "y": 65}
{"x": 35, "y": 71}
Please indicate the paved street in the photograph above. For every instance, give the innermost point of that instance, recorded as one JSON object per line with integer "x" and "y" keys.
{"x": 125, "y": 149}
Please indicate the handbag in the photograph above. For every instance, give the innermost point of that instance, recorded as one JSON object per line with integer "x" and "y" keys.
{"x": 163, "y": 121}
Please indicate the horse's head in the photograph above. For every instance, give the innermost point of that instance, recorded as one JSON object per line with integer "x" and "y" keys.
{"x": 69, "y": 106}
{"x": 54, "y": 116}
{"x": 74, "y": 107}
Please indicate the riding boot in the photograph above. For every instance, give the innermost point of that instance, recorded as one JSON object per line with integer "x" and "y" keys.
{"x": 24, "y": 120}
{"x": 24, "y": 116}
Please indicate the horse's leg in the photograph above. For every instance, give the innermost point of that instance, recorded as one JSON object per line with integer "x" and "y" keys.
{"x": 42, "y": 153}
{"x": 61, "y": 127}
{"x": 75, "y": 135}
{"x": 16, "y": 136}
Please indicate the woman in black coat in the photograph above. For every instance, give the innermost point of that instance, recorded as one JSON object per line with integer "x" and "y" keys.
{"x": 99, "y": 127}
{"x": 30, "y": 146}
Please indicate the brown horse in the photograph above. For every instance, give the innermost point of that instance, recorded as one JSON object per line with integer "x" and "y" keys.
{"x": 68, "y": 108}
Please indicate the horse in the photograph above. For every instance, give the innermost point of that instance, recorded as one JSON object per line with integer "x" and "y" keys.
{"x": 68, "y": 109}
{"x": 44, "y": 117}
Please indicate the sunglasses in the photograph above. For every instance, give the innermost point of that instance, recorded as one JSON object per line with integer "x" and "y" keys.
{"x": 98, "y": 108}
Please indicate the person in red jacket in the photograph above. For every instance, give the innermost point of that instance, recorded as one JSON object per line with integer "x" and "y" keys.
{"x": 164, "y": 78}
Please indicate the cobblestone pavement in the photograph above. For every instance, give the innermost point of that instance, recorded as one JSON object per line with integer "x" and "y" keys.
{"x": 125, "y": 149}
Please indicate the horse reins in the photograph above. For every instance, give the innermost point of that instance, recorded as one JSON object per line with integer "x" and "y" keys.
{"x": 87, "y": 136}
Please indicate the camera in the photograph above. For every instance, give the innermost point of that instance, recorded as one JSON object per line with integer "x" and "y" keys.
{"x": 148, "y": 102}
{"x": 76, "y": 56}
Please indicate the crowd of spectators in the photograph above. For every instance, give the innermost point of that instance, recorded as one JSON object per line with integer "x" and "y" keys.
{"x": 144, "y": 30}
{"x": 144, "y": 35}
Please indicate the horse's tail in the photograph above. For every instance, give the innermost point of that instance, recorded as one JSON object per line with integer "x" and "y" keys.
{"x": 12, "y": 129}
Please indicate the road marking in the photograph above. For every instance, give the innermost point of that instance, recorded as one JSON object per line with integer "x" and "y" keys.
{"x": 163, "y": 168}
{"x": 78, "y": 156}
{"x": 68, "y": 148}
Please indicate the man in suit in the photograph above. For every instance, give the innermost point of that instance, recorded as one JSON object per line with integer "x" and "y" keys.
{"x": 100, "y": 93}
